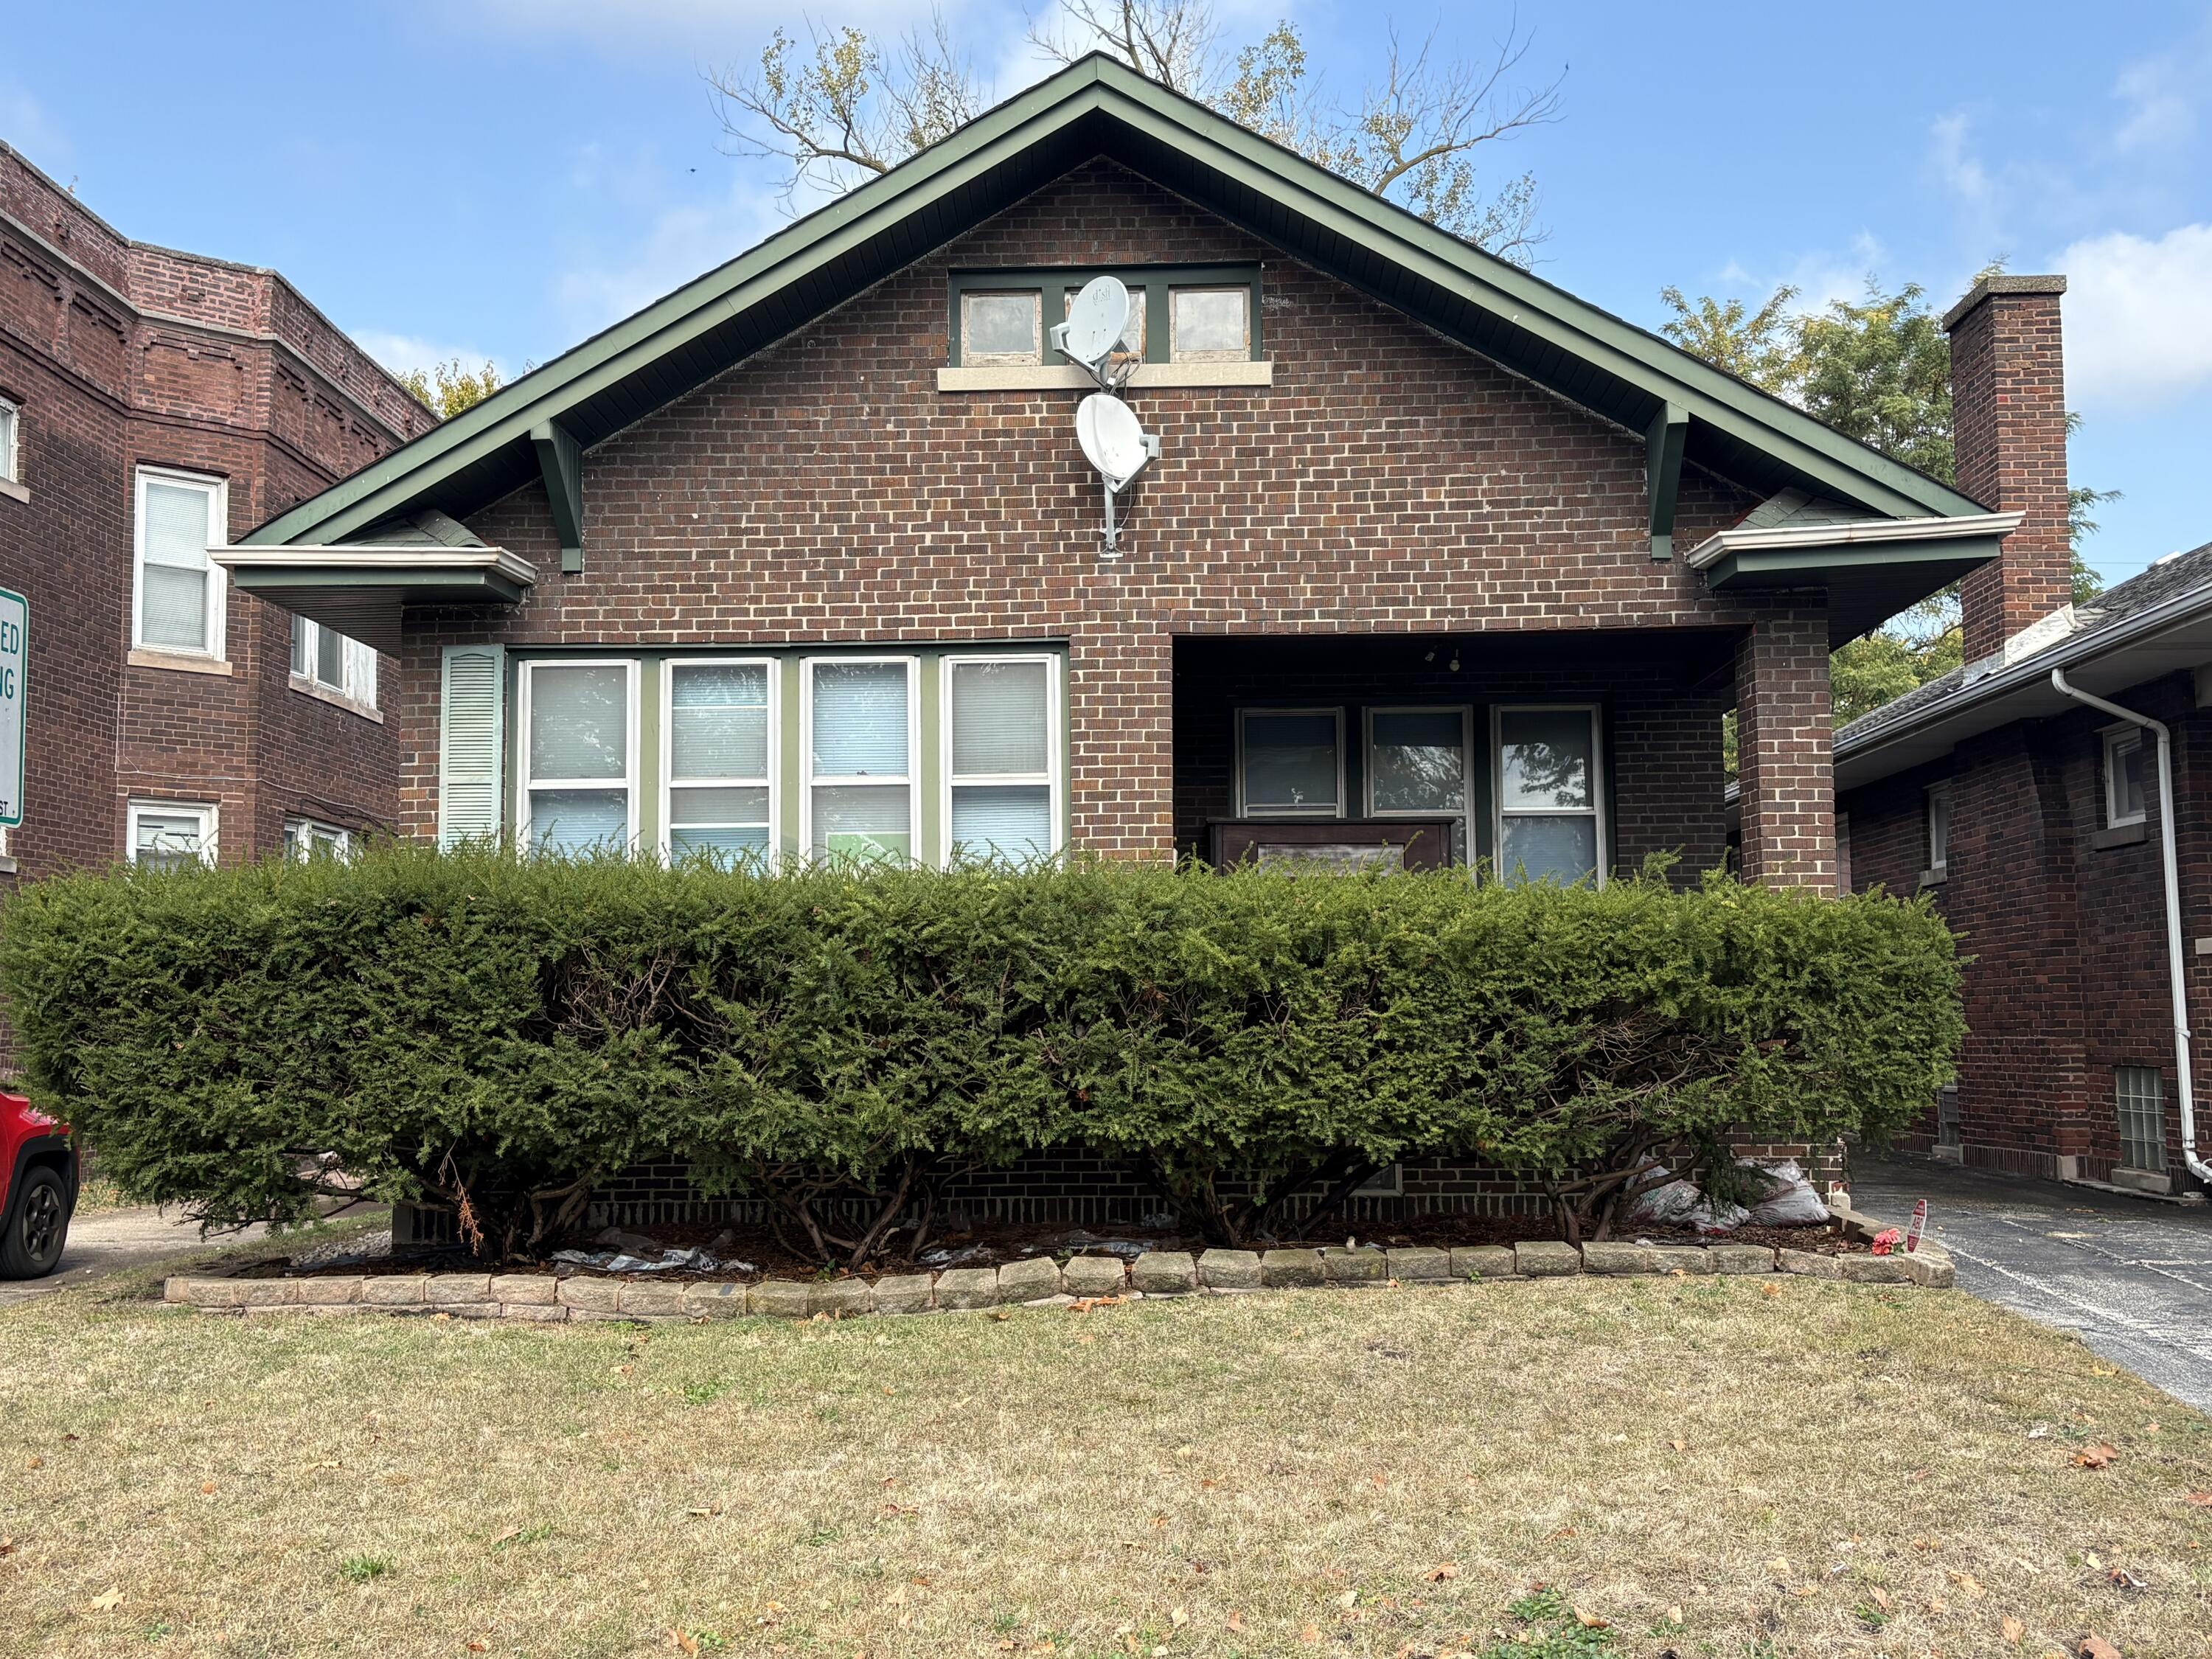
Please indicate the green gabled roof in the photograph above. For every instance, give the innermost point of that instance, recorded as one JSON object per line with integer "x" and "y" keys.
{"x": 1100, "y": 107}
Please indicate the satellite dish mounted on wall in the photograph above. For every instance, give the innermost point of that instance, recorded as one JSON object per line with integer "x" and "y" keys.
{"x": 1095, "y": 336}
{"x": 1116, "y": 445}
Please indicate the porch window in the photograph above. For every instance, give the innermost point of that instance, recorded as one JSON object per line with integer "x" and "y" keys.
{"x": 1001, "y": 759}
{"x": 719, "y": 743}
{"x": 578, "y": 784}
{"x": 180, "y": 600}
{"x": 1290, "y": 762}
{"x": 2123, "y": 777}
{"x": 860, "y": 742}
{"x": 324, "y": 658}
{"x": 168, "y": 835}
{"x": 2141, "y": 1095}
{"x": 1548, "y": 791}
{"x": 1417, "y": 761}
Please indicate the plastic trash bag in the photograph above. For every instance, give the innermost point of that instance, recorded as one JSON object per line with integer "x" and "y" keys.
{"x": 1791, "y": 1200}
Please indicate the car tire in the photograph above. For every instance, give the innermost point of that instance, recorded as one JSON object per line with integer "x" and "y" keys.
{"x": 37, "y": 1226}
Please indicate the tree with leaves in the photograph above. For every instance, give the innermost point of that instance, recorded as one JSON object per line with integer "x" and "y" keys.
{"x": 845, "y": 105}
{"x": 445, "y": 389}
{"x": 1878, "y": 371}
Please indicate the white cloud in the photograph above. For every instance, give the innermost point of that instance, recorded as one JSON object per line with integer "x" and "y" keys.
{"x": 404, "y": 353}
{"x": 2163, "y": 94}
{"x": 2138, "y": 318}
{"x": 679, "y": 242}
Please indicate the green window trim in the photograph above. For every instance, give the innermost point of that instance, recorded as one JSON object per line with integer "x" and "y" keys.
{"x": 649, "y": 775}
{"x": 1054, "y": 284}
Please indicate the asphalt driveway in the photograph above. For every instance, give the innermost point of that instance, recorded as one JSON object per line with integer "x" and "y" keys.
{"x": 2131, "y": 1277}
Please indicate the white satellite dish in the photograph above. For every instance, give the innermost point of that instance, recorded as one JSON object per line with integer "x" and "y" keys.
{"x": 1111, "y": 439}
{"x": 1116, "y": 445}
{"x": 1098, "y": 323}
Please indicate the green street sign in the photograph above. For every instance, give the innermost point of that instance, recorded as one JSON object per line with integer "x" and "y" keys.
{"x": 15, "y": 663}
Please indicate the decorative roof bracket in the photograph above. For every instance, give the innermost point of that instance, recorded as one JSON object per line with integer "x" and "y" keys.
{"x": 1662, "y": 465}
{"x": 562, "y": 462}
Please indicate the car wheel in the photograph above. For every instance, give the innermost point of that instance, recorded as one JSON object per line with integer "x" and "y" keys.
{"x": 37, "y": 1229}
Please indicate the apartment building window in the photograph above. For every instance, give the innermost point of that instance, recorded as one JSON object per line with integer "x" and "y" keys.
{"x": 861, "y": 720}
{"x": 1550, "y": 785}
{"x": 2140, "y": 1093}
{"x": 579, "y": 782}
{"x": 1001, "y": 759}
{"x": 1939, "y": 831}
{"x": 178, "y": 603}
{"x": 1290, "y": 762}
{"x": 11, "y": 426}
{"x": 719, "y": 759}
{"x": 327, "y": 660}
{"x": 166, "y": 835}
{"x": 308, "y": 838}
{"x": 2123, "y": 777}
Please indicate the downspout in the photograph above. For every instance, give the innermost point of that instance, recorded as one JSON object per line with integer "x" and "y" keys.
{"x": 2176, "y": 974}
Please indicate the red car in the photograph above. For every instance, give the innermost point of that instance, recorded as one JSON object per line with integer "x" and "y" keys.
{"x": 38, "y": 1189}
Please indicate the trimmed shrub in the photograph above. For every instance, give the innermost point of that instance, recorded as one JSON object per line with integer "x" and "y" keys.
{"x": 496, "y": 1034}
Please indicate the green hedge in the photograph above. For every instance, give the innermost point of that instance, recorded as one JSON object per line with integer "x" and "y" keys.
{"x": 497, "y": 1034}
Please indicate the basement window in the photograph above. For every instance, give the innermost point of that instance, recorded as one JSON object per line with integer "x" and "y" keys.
{"x": 168, "y": 835}
{"x": 310, "y": 838}
{"x": 2123, "y": 777}
{"x": 2139, "y": 1092}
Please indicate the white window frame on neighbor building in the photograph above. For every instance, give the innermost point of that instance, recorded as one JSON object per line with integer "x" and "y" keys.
{"x": 1938, "y": 822}
{"x": 1050, "y": 778}
{"x": 356, "y": 681}
{"x": 1245, "y": 809}
{"x": 2120, "y": 741}
{"x": 1466, "y": 758}
{"x": 526, "y": 784}
{"x": 670, "y": 783}
{"x": 217, "y": 491}
{"x": 809, "y": 780}
{"x": 204, "y": 813}
{"x": 12, "y": 442}
{"x": 304, "y": 837}
{"x": 1601, "y": 838}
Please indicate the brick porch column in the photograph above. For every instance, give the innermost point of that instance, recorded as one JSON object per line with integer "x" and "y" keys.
{"x": 1784, "y": 741}
{"x": 1120, "y": 748}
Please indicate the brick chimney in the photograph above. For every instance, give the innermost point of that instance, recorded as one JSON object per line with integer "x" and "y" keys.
{"x": 2009, "y": 416}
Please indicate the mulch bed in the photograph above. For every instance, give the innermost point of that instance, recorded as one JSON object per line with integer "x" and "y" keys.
{"x": 995, "y": 1245}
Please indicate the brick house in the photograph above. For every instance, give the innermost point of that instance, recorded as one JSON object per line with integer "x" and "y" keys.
{"x": 152, "y": 403}
{"x": 2032, "y": 808}
{"x": 1436, "y": 561}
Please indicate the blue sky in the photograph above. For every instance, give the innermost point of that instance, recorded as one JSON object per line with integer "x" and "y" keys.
{"x": 503, "y": 177}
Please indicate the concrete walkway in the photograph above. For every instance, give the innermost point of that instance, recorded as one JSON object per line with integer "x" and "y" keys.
{"x": 2131, "y": 1277}
{"x": 108, "y": 1239}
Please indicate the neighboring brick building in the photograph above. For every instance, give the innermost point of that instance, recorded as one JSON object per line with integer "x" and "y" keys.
{"x": 151, "y": 401}
{"x": 806, "y": 557}
{"x": 2034, "y": 818}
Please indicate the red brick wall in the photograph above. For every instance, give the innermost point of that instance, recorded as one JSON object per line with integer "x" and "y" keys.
{"x": 121, "y": 355}
{"x": 1389, "y": 482}
{"x": 2008, "y": 404}
{"x": 1784, "y": 719}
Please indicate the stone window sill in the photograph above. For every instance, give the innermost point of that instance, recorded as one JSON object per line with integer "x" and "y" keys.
{"x": 182, "y": 662}
{"x": 1065, "y": 377}
{"x": 13, "y": 491}
{"x": 307, "y": 687}
{"x": 1935, "y": 878}
{"x": 2124, "y": 834}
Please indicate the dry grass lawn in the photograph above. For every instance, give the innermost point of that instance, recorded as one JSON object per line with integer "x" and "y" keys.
{"x": 1731, "y": 1466}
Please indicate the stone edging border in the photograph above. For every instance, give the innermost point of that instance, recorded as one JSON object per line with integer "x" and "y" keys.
{"x": 1036, "y": 1280}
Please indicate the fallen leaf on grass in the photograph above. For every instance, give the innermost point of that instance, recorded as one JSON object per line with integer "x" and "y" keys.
{"x": 1178, "y": 1618}
{"x": 1967, "y": 1582}
{"x": 35, "y": 1463}
{"x": 2201, "y": 1499}
{"x": 1679, "y": 1445}
{"x": 1236, "y": 1622}
{"x": 1310, "y": 1633}
{"x": 1771, "y": 1290}
{"x": 1779, "y": 1566}
{"x": 507, "y": 1537}
{"x": 107, "y": 1601}
{"x": 2013, "y": 1629}
{"x": 681, "y": 1641}
{"x": 2096, "y": 1647}
{"x": 1443, "y": 1571}
{"x": 1880, "y": 1599}
{"x": 1591, "y": 1621}
{"x": 1673, "y": 1615}
{"x": 207, "y": 1487}
{"x": 1935, "y": 1604}
{"x": 2097, "y": 1457}
{"x": 1349, "y": 1599}
{"x": 476, "y": 1646}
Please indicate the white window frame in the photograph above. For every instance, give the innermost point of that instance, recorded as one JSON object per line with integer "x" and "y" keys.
{"x": 1596, "y": 810}
{"x": 214, "y": 638}
{"x": 357, "y": 663}
{"x": 1939, "y": 859}
{"x": 668, "y": 781}
{"x": 807, "y": 777}
{"x": 2117, "y": 739}
{"x": 11, "y": 442}
{"x": 1289, "y": 813}
{"x": 525, "y": 783}
{"x": 210, "y": 815}
{"x": 1050, "y": 777}
{"x": 302, "y": 834}
{"x": 1466, "y": 713}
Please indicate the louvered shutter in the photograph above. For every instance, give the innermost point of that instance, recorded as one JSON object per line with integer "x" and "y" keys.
{"x": 471, "y": 727}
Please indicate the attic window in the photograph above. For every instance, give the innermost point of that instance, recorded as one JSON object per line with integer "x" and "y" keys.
{"x": 1211, "y": 325}
{"x": 1183, "y": 314}
{"x": 999, "y": 330}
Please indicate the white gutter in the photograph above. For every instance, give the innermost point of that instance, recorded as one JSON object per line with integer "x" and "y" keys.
{"x": 2176, "y": 975}
{"x": 1847, "y": 532}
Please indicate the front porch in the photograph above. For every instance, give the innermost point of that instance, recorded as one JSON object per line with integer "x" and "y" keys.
{"x": 1559, "y": 755}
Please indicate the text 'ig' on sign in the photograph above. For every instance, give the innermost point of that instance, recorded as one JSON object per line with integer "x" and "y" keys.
{"x": 14, "y": 660}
